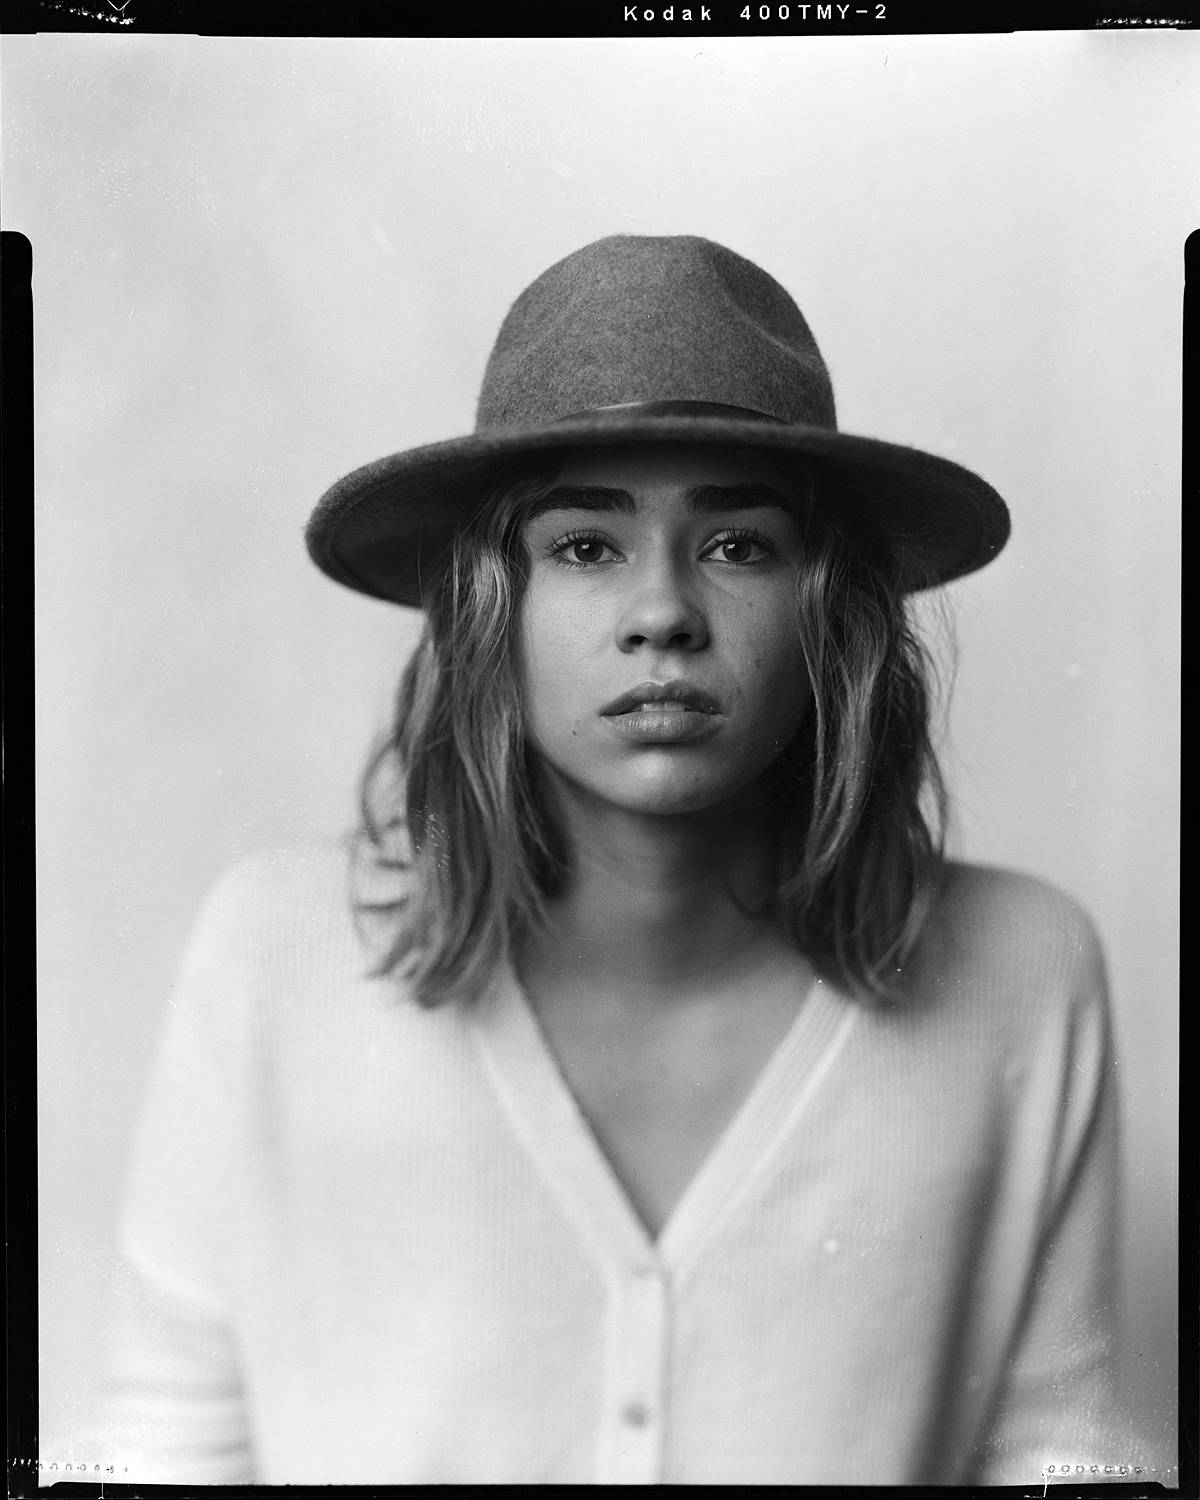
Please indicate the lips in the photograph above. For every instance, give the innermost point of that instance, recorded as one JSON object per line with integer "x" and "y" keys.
{"x": 675, "y": 697}
{"x": 658, "y": 713}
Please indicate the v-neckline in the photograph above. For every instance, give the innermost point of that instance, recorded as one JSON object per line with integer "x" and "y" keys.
{"x": 547, "y": 1117}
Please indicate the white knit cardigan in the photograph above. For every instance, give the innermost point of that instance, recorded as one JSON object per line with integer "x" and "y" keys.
{"x": 375, "y": 1243}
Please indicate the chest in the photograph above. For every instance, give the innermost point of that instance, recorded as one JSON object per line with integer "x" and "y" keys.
{"x": 659, "y": 1088}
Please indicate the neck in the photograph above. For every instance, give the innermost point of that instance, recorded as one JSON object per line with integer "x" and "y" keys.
{"x": 660, "y": 904}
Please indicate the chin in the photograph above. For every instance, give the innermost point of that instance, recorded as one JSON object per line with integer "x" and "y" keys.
{"x": 654, "y": 782}
{"x": 670, "y": 791}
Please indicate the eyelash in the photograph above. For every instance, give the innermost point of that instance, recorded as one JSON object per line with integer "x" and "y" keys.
{"x": 557, "y": 550}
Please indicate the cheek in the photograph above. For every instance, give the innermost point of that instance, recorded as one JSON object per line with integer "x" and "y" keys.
{"x": 556, "y": 641}
{"x": 776, "y": 671}
{"x": 786, "y": 705}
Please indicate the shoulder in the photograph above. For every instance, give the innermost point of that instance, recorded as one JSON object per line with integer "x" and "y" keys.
{"x": 278, "y": 883}
{"x": 998, "y": 915}
{"x": 1014, "y": 942}
{"x": 1008, "y": 984}
{"x": 282, "y": 936}
{"x": 293, "y": 900}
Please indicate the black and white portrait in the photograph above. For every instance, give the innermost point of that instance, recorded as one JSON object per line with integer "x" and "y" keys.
{"x": 607, "y": 791}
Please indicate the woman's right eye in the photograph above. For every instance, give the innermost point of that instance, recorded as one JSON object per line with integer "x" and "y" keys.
{"x": 583, "y": 550}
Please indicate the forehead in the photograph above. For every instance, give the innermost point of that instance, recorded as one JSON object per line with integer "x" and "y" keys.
{"x": 660, "y": 470}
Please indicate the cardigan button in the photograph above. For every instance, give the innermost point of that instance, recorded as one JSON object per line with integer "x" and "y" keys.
{"x": 636, "y": 1414}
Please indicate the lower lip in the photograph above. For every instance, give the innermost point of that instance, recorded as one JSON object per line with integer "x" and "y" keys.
{"x": 659, "y": 727}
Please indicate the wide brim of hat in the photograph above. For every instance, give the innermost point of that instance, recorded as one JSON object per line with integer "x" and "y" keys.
{"x": 386, "y": 528}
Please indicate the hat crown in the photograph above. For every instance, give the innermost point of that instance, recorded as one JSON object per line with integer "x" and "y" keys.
{"x": 644, "y": 318}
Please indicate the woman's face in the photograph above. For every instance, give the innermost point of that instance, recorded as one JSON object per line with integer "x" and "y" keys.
{"x": 660, "y": 650}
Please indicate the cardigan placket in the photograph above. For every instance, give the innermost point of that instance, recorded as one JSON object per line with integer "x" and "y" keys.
{"x": 644, "y": 1276}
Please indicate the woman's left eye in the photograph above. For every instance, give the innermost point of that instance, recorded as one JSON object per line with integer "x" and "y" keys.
{"x": 739, "y": 547}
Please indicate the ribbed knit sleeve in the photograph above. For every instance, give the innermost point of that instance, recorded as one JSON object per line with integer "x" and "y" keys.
{"x": 175, "y": 1410}
{"x": 1058, "y": 1406}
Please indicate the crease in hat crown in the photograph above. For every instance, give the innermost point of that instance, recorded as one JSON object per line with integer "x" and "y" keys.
{"x": 641, "y": 318}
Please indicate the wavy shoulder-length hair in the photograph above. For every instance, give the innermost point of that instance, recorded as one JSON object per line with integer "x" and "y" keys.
{"x": 450, "y": 795}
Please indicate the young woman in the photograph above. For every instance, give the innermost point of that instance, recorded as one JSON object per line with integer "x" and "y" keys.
{"x": 647, "y": 1099}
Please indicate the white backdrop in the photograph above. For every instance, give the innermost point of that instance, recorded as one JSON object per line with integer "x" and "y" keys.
{"x": 259, "y": 263}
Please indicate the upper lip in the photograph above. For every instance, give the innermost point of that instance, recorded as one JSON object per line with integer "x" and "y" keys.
{"x": 677, "y": 691}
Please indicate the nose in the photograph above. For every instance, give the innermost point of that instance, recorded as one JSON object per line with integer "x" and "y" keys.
{"x": 662, "y": 611}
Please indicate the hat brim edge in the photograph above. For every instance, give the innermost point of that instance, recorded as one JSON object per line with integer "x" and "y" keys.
{"x": 449, "y": 475}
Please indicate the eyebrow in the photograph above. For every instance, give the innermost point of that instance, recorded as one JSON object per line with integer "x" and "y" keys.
{"x": 703, "y": 499}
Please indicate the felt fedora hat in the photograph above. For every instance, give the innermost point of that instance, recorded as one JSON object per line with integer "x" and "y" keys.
{"x": 639, "y": 339}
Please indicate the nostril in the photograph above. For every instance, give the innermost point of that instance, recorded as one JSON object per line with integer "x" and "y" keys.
{"x": 663, "y": 619}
